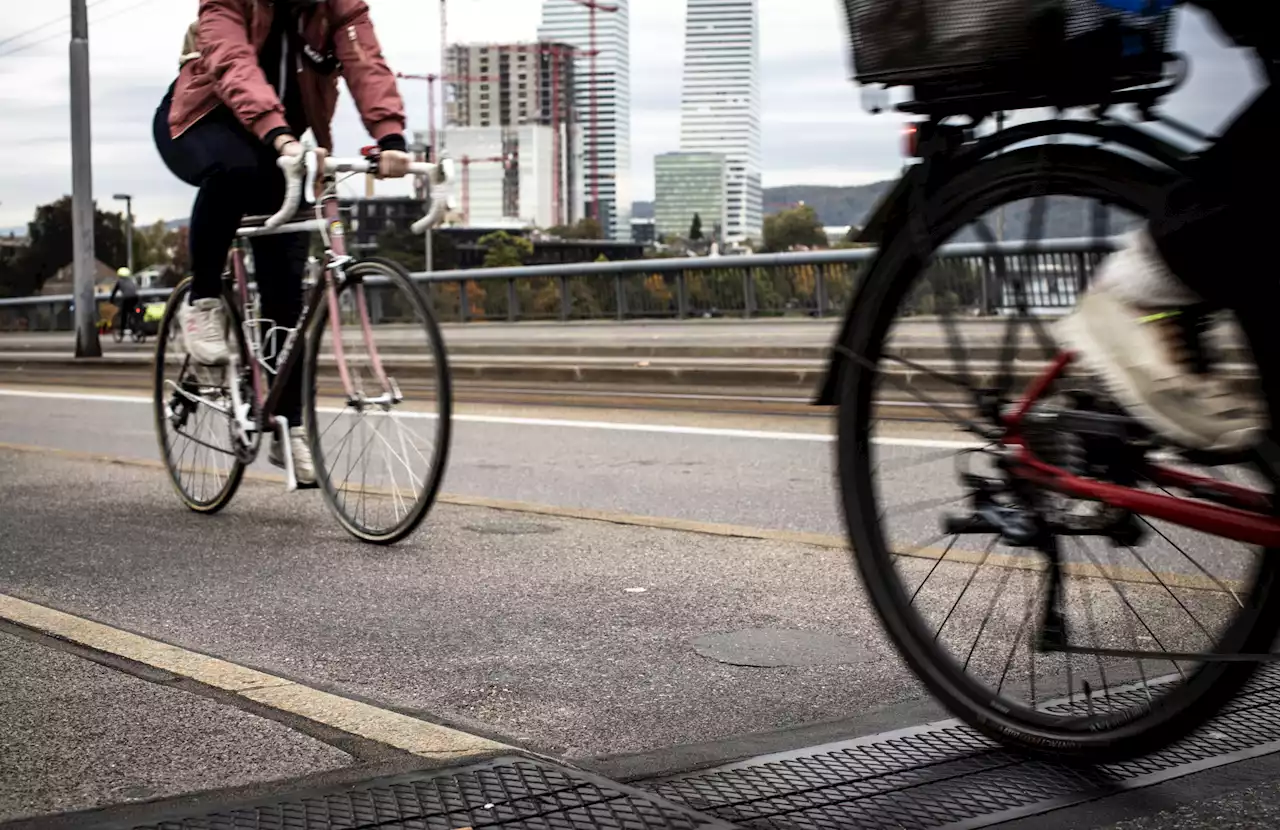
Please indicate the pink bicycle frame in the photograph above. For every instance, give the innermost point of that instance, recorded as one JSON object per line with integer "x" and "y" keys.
{"x": 329, "y": 285}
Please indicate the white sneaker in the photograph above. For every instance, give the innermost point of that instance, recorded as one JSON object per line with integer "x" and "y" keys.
{"x": 304, "y": 468}
{"x": 1135, "y": 353}
{"x": 204, "y": 331}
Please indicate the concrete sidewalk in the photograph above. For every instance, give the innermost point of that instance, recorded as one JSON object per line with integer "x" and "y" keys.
{"x": 78, "y": 735}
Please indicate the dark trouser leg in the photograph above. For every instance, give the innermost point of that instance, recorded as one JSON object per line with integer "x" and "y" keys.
{"x": 1215, "y": 226}
{"x": 279, "y": 263}
{"x": 236, "y": 174}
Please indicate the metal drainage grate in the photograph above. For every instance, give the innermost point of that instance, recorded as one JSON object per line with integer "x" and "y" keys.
{"x": 947, "y": 775}
{"x": 506, "y": 792}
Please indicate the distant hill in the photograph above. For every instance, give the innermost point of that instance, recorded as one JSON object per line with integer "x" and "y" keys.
{"x": 851, "y": 206}
{"x": 834, "y": 205}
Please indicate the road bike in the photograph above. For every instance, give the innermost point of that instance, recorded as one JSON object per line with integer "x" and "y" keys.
{"x": 1058, "y": 577}
{"x": 377, "y": 400}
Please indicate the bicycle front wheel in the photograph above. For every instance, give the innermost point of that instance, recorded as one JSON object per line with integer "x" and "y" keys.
{"x": 1150, "y": 620}
{"x": 193, "y": 405}
{"x": 378, "y": 403}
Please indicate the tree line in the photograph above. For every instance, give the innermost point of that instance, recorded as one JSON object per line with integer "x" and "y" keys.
{"x": 51, "y": 242}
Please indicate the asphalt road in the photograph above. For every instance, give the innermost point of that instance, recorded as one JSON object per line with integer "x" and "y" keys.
{"x": 590, "y": 639}
{"x": 775, "y": 473}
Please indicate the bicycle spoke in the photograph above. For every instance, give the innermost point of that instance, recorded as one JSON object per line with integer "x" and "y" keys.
{"x": 1194, "y": 562}
{"x": 1023, "y": 627}
{"x": 1169, "y": 590}
{"x": 938, "y": 562}
{"x": 964, "y": 423}
{"x": 1133, "y": 633}
{"x": 1085, "y": 586}
{"x": 991, "y": 607}
{"x": 968, "y": 582}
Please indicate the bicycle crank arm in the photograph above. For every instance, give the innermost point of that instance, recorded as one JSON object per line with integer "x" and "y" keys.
{"x": 286, "y": 452}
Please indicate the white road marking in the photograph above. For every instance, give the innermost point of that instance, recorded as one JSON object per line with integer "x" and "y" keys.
{"x": 562, "y": 423}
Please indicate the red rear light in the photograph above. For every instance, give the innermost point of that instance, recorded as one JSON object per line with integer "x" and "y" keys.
{"x": 911, "y": 141}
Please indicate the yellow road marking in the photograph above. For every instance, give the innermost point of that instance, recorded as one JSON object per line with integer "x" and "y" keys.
{"x": 351, "y": 716}
{"x": 1083, "y": 570}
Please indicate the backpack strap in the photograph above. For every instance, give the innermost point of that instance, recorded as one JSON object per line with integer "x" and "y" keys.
{"x": 326, "y": 64}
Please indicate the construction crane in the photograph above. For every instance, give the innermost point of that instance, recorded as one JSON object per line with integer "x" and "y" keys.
{"x": 432, "y": 79}
{"x": 594, "y": 6}
{"x": 557, "y": 53}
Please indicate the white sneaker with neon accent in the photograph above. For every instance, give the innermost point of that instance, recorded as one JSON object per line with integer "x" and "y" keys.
{"x": 1143, "y": 359}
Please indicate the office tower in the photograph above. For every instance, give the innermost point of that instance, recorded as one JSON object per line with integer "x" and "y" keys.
{"x": 720, "y": 102}
{"x": 603, "y": 102}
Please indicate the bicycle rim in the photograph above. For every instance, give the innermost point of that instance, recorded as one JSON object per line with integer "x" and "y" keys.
{"x": 937, "y": 602}
{"x": 196, "y": 441}
{"x": 379, "y": 460}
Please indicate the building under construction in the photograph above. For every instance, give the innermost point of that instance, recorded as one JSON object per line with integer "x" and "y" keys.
{"x": 513, "y": 129}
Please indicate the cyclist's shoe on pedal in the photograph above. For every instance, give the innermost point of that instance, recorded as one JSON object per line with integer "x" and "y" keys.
{"x": 1146, "y": 362}
{"x": 304, "y": 468}
{"x": 204, "y": 331}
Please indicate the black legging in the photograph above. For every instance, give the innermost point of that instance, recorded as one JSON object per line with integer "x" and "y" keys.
{"x": 237, "y": 176}
{"x": 1215, "y": 224}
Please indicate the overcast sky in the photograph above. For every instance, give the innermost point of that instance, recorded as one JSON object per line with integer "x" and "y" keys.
{"x": 815, "y": 131}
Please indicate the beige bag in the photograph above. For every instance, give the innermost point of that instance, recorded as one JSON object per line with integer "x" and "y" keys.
{"x": 190, "y": 45}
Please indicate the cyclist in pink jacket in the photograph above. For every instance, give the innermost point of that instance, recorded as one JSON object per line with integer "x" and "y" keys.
{"x": 255, "y": 75}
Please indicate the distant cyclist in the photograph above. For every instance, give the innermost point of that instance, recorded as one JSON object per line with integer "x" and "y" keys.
{"x": 255, "y": 75}
{"x": 124, "y": 296}
{"x": 1211, "y": 232}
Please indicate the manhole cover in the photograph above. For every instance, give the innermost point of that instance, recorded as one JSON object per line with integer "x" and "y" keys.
{"x": 776, "y": 647}
{"x": 511, "y": 528}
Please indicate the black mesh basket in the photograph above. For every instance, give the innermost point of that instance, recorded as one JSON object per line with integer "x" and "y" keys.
{"x": 1004, "y": 45}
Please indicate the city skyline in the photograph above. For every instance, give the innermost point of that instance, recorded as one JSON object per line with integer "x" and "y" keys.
{"x": 815, "y": 129}
{"x": 720, "y": 103}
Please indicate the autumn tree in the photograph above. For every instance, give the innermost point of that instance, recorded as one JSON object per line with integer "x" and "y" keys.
{"x": 792, "y": 228}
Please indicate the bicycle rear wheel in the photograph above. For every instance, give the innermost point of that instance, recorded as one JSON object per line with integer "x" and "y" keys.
{"x": 949, "y": 600}
{"x": 381, "y": 453}
{"x": 192, "y": 406}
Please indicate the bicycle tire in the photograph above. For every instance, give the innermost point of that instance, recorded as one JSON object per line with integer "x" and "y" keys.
{"x": 160, "y": 401}
{"x": 1066, "y": 170}
{"x": 334, "y": 496}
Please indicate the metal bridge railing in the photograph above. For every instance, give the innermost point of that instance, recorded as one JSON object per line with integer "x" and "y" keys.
{"x": 976, "y": 278}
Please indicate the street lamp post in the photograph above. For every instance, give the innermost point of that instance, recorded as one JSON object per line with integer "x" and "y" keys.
{"x": 128, "y": 209}
{"x": 86, "y": 309}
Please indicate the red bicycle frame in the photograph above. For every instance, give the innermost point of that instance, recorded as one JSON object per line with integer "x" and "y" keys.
{"x": 1246, "y": 517}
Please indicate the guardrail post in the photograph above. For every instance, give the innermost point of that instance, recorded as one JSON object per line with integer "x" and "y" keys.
{"x": 682, "y": 297}
{"x": 621, "y": 303}
{"x": 464, "y": 305}
{"x": 820, "y": 290}
{"x": 748, "y": 293}
{"x": 513, "y": 301}
{"x": 566, "y": 305}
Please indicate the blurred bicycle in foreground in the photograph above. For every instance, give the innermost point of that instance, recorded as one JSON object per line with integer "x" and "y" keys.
{"x": 1058, "y": 575}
